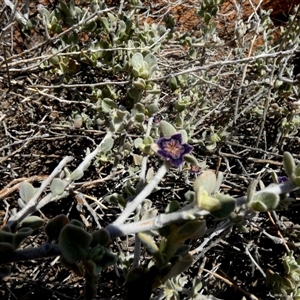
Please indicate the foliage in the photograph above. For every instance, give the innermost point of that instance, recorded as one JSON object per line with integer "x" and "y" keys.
{"x": 158, "y": 119}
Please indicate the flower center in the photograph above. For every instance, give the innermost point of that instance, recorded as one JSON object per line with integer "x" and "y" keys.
{"x": 173, "y": 148}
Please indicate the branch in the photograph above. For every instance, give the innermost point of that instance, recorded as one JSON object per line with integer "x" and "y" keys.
{"x": 132, "y": 205}
{"x": 44, "y": 251}
{"x": 275, "y": 188}
{"x": 31, "y": 205}
{"x": 189, "y": 212}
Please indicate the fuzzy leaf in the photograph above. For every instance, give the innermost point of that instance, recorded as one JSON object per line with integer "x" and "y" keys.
{"x": 220, "y": 178}
{"x": 297, "y": 171}
{"x": 76, "y": 268}
{"x": 91, "y": 268}
{"x": 148, "y": 242}
{"x": 33, "y": 222}
{"x": 107, "y": 144}
{"x": 6, "y": 247}
{"x": 90, "y": 287}
{"x": 21, "y": 235}
{"x": 191, "y": 230}
{"x": 204, "y": 201}
{"x": 296, "y": 180}
{"x": 152, "y": 109}
{"x": 166, "y": 129}
{"x": 227, "y": 206}
{"x": 288, "y": 163}
{"x": 77, "y": 174}
{"x": 151, "y": 213}
{"x": 108, "y": 259}
{"x": 172, "y": 206}
{"x": 190, "y": 196}
{"x": 54, "y": 226}
{"x": 264, "y": 201}
{"x": 138, "y": 142}
{"x": 57, "y": 186}
{"x": 140, "y": 118}
{"x": 6, "y": 236}
{"x": 148, "y": 140}
{"x": 191, "y": 159}
{"x": 137, "y": 61}
{"x": 101, "y": 237}
{"x": 251, "y": 190}
{"x": 180, "y": 266}
{"x": 74, "y": 243}
{"x": 139, "y": 84}
{"x": 26, "y": 191}
{"x": 207, "y": 180}
{"x": 150, "y": 59}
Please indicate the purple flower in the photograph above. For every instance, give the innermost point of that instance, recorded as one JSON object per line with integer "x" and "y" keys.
{"x": 172, "y": 149}
{"x": 282, "y": 179}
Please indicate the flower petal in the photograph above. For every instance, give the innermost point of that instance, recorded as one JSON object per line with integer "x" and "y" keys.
{"x": 187, "y": 148}
{"x": 176, "y": 162}
{"x": 177, "y": 137}
{"x": 172, "y": 149}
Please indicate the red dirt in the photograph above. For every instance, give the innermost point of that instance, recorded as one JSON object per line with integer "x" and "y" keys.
{"x": 185, "y": 14}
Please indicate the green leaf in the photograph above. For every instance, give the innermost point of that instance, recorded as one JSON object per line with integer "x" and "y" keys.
{"x": 148, "y": 242}
{"x": 6, "y": 236}
{"x": 139, "y": 84}
{"x": 139, "y": 117}
{"x": 137, "y": 62}
{"x": 204, "y": 201}
{"x": 172, "y": 207}
{"x": 191, "y": 159}
{"x": 33, "y": 222}
{"x": 108, "y": 259}
{"x": 190, "y": 196}
{"x": 107, "y": 144}
{"x": 77, "y": 268}
{"x": 6, "y": 247}
{"x": 90, "y": 287}
{"x": 227, "y": 204}
{"x": 264, "y": 201}
{"x": 173, "y": 83}
{"x": 251, "y": 190}
{"x": 152, "y": 109}
{"x": 148, "y": 140}
{"x": 184, "y": 135}
{"x": 295, "y": 180}
{"x": 26, "y": 191}
{"x": 152, "y": 63}
{"x": 192, "y": 230}
{"x": 207, "y": 180}
{"x": 101, "y": 237}
{"x": 21, "y": 235}
{"x": 180, "y": 266}
{"x": 54, "y": 227}
{"x": 76, "y": 174}
{"x": 297, "y": 171}
{"x": 288, "y": 163}
{"x": 74, "y": 243}
{"x": 166, "y": 129}
{"x": 57, "y": 186}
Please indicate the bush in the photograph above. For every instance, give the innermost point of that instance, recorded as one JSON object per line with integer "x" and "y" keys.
{"x": 168, "y": 151}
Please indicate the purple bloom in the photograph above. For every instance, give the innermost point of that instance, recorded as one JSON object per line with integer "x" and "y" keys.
{"x": 282, "y": 179}
{"x": 172, "y": 149}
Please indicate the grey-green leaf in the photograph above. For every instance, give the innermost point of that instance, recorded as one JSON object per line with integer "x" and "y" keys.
{"x": 166, "y": 129}
{"x": 74, "y": 243}
{"x": 264, "y": 201}
{"x": 57, "y": 186}
{"x": 26, "y": 191}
